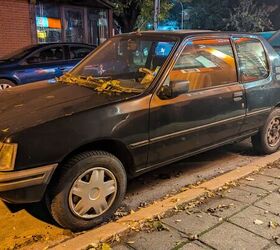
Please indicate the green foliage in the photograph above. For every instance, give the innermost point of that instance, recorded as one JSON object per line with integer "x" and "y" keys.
{"x": 147, "y": 10}
{"x": 209, "y": 14}
{"x": 249, "y": 16}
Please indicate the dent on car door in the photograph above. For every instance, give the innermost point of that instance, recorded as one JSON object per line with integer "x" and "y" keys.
{"x": 257, "y": 80}
{"x": 42, "y": 65}
{"x": 210, "y": 112}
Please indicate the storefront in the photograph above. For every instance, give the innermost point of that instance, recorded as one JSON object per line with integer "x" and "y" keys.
{"x": 25, "y": 22}
{"x": 59, "y": 21}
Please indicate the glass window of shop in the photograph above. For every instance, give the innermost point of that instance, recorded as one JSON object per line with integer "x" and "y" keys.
{"x": 59, "y": 23}
{"x": 48, "y": 23}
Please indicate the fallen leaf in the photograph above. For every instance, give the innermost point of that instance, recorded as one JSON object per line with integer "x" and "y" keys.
{"x": 5, "y": 130}
{"x": 106, "y": 246}
{"x": 258, "y": 222}
{"x": 273, "y": 224}
{"x": 18, "y": 105}
{"x": 50, "y": 96}
{"x": 249, "y": 179}
{"x": 130, "y": 242}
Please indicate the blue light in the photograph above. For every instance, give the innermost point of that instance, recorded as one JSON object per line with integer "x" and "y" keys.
{"x": 42, "y": 22}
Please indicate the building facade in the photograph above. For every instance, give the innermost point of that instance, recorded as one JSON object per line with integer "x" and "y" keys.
{"x": 26, "y": 22}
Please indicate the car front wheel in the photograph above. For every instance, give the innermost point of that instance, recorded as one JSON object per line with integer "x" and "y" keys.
{"x": 6, "y": 84}
{"x": 267, "y": 141}
{"x": 87, "y": 190}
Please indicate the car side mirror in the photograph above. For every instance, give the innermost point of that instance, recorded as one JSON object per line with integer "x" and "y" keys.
{"x": 174, "y": 89}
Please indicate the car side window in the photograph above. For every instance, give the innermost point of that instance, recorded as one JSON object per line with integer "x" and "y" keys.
{"x": 205, "y": 63}
{"x": 78, "y": 52}
{"x": 51, "y": 54}
{"x": 252, "y": 59}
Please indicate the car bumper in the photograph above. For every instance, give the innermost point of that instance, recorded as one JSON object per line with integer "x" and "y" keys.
{"x": 25, "y": 186}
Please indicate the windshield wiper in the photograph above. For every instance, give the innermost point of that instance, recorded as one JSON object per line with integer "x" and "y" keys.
{"x": 99, "y": 85}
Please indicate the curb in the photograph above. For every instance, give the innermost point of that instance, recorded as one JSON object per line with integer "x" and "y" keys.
{"x": 126, "y": 223}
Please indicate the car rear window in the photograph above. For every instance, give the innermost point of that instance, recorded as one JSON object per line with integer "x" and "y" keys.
{"x": 252, "y": 59}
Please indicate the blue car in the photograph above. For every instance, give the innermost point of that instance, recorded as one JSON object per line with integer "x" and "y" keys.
{"x": 40, "y": 62}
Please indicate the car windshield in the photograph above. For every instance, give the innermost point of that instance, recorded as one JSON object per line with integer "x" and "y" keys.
{"x": 18, "y": 54}
{"x": 123, "y": 64}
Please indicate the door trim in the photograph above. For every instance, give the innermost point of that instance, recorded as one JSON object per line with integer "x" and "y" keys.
{"x": 235, "y": 139}
{"x": 183, "y": 132}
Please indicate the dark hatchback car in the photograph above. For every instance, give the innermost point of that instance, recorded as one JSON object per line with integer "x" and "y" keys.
{"x": 138, "y": 102}
{"x": 40, "y": 62}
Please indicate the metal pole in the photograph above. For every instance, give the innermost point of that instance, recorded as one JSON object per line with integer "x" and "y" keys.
{"x": 156, "y": 13}
{"x": 182, "y": 14}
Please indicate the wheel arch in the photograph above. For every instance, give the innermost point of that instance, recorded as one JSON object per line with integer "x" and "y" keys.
{"x": 9, "y": 79}
{"x": 115, "y": 147}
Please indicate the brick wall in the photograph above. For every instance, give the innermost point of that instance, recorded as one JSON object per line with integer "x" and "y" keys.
{"x": 15, "y": 28}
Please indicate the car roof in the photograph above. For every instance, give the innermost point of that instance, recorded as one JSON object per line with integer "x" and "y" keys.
{"x": 181, "y": 34}
{"x": 41, "y": 45}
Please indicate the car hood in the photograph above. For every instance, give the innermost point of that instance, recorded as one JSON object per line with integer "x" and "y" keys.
{"x": 37, "y": 103}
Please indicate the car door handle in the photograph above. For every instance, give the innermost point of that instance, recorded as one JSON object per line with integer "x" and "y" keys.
{"x": 238, "y": 96}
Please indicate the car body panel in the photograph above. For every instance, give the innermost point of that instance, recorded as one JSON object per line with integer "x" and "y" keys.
{"x": 20, "y": 72}
{"x": 60, "y": 119}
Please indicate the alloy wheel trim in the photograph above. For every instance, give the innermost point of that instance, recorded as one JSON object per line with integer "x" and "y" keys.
{"x": 4, "y": 86}
{"x": 273, "y": 132}
{"x": 93, "y": 193}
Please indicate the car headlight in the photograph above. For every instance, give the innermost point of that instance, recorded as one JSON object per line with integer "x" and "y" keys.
{"x": 8, "y": 153}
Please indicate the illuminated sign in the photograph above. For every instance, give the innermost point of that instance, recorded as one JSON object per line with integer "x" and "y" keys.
{"x": 45, "y": 22}
{"x": 42, "y": 22}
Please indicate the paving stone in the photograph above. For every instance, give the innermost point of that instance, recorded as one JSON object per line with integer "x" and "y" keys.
{"x": 262, "y": 181}
{"x": 121, "y": 247}
{"x": 228, "y": 236}
{"x": 164, "y": 240}
{"x": 246, "y": 218}
{"x": 274, "y": 248}
{"x": 222, "y": 207}
{"x": 260, "y": 192}
{"x": 196, "y": 245}
{"x": 270, "y": 203}
{"x": 274, "y": 172}
{"x": 192, "y": 224}
{"x": 242, "y": 195}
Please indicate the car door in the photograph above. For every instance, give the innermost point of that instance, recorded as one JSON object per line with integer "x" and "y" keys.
{"x": 208, "y": 114}
{"x": 46, "y": 63}
{"x": 257, "y": 78}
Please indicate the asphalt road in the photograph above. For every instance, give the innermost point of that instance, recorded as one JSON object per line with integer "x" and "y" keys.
{"x": 30, "y": 226}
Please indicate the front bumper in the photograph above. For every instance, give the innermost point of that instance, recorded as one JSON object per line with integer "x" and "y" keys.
{"x": 25, "y": 186}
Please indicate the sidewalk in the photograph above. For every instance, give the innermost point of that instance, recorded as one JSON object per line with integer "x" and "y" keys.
{"x": 246, "y": 216}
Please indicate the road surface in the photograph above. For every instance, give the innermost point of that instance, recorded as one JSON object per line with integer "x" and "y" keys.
{"x": 30, "y": 226}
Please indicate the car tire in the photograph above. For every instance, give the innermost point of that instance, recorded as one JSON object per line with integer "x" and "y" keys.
{"x": 267, "y": 141}
{"x": 5, "y": 84}
{"x": 77, "y": 195}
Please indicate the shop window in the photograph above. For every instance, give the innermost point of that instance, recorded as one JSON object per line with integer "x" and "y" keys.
{"x": 205, "y": 64}
{"x": 252, "y": 59}
{"x": 74, "y": 24}
{"x": 97, "y": 26}
{"x": 48, "y": 23}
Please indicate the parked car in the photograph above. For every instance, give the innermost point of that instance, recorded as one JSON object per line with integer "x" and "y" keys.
{"x": 131, "y": 107}
{"x": 273, "y": 37}
{"x": 40, "y": 62}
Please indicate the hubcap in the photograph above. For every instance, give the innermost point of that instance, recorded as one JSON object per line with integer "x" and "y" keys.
{"x": 93, "y": 193}
{"x": 273, "y": 132}
{"x": 4, "y": 86}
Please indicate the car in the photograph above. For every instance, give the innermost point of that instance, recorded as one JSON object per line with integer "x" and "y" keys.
{"x": 140, "y": 101}
{"x": 273, "y": 37}
{"x": 40, "y": 62}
